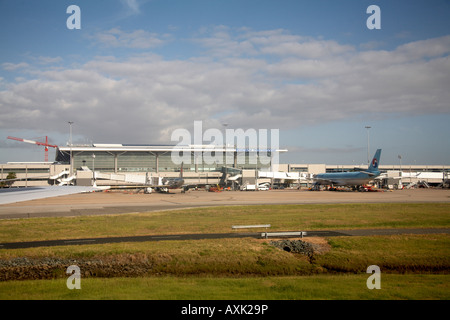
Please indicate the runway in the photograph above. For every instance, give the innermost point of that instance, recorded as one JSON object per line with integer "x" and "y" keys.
{"x": 101, "y": 203}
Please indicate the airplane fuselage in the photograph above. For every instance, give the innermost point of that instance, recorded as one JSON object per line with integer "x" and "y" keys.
{"x": 357, "y": 178}
{"x": 345, "y": 178}
{"x": 173, "y": 183}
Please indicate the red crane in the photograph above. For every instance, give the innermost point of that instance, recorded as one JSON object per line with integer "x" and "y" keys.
{"x": 45, "y": 144}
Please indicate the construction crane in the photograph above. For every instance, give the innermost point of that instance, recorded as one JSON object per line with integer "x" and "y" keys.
{"x": 45, "y": 144}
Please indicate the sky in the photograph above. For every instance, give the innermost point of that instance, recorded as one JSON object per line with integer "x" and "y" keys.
{"x": 137, "y": 70}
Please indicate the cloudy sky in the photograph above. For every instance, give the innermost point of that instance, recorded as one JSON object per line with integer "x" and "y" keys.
{"x": 139, "y": 69}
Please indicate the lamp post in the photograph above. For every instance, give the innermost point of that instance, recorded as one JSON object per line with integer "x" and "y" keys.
{"x": 70, "y": 143}
{"x": 93, "y": 168}
{"x": 256, "y": 171}
{"x": 225, "y": 153}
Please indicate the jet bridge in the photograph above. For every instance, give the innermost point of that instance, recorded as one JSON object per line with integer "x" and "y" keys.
{"x": 130, "y": 178}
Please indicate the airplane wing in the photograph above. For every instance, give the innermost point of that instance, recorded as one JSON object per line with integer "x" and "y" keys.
{"x": 370, "y": 174}
{"x": 11, "y": 195}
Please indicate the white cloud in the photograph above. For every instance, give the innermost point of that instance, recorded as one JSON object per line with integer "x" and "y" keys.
{"x": 309, "y": 49}
{"x": 226, "y": 41}
{"x": 132, "y": 5}
{"x": 267, "y": 79}
{"x": 423, "y": 49}
{"x": 14, "y": 66}
{"x": 48, "y": 60}
{"x": 139, "y": 39}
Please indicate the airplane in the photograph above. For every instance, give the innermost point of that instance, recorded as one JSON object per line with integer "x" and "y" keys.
{"x": 165, "y": 184}
{"x": 170, "y": 183}
{"x": 12, "y": 195}
{"x": 353, "y": 179}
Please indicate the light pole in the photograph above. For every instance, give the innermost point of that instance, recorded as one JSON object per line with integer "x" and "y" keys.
{"x": 70, "y": 143}
{"x": 225, "y": 154}
{"x": 225, "y": 125}
{"x": 93, "y": 168}
{"x": 368, "y": 144}
{"x": 256, "y": 171}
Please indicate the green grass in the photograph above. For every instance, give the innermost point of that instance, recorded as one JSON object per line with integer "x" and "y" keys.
{"x": 399, "y": 253}
{"x": 412, "y": 266}
{"x": 251, "y": 257}
{"x": 220, "y": 219}
{"x": 340, "y": 287}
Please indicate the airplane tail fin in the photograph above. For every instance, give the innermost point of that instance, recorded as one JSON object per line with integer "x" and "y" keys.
{"x": 375, "y": 161}
{"x": 181, "y": 170}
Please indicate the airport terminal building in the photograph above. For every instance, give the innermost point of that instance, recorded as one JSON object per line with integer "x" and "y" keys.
{"x": 119, "y": 158}
{"x": 129, "y": 164}
{"x": 199, "y": 164}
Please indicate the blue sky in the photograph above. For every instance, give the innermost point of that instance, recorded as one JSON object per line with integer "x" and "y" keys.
{"x": 137, "y": 70}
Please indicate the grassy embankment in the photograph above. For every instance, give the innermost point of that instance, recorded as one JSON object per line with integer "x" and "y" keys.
{"x": 232, "y": 267}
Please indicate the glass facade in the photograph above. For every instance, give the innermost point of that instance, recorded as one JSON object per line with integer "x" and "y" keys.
{"x": 165, "y": 163}
{"x": 136, "y": 162}
{"x": 103, "y": 161}
{"x": 117, "y": 160}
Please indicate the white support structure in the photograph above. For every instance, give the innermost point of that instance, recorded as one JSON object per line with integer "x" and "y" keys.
{"x": 283, "y": 234}
{"x": 251, "y": 226}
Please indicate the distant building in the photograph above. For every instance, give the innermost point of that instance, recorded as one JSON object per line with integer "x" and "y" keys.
{"x": 121, "y": 163}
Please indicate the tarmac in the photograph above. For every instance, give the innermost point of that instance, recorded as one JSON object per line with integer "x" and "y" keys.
{"x": 198, "y": 236}
{"x": 101, "y": 203}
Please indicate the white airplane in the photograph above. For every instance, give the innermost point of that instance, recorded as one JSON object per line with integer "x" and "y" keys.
{"x": 357, "y": 178}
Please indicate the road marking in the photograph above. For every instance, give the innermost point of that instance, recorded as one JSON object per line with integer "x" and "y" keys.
{"x": 166, "y": 237}
{"x": 82, "y": 241}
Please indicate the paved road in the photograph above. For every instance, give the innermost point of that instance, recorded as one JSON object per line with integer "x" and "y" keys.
{"x": 325, "y": 233}
{"x": 120, "y": 203}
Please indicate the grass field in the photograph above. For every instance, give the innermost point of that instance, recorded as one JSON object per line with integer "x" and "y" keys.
{"x": 220, "y": 219}
{"x": 336, "y": 287}
{"x": 412, "y": 266}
